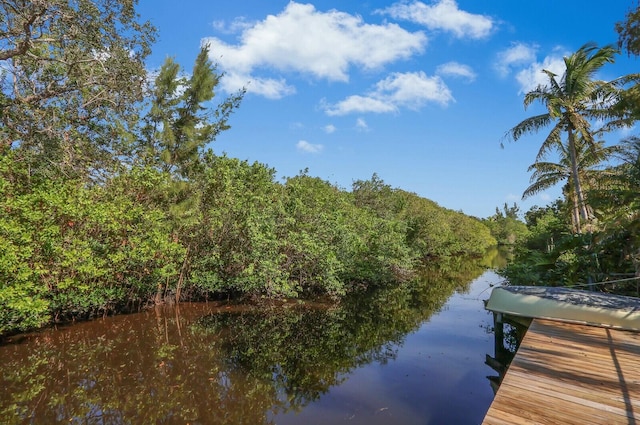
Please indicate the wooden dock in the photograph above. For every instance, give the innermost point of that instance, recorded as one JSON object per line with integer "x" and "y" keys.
{"x": 571, "y": 374}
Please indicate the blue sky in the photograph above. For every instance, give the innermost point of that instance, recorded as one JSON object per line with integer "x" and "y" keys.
{"x": 419, "y": 92}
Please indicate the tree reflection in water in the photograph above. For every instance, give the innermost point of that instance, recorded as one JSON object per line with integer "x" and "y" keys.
{"x": 212, "y": 364}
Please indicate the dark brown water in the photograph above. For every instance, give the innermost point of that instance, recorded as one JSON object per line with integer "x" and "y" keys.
{"x": 410, "y": 355}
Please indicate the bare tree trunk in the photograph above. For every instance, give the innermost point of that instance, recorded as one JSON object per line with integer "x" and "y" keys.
{"x": 183, "y": 273}
{"x": 159, "y": 294}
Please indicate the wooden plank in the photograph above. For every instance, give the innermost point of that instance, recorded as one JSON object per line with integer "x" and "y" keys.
{"x": 571, "y": 374}
{"x": 538, "y": 364}
{"x": 546, "y": 409}
{"x": 548, "y": 392}
{"x": 574, "y": 387}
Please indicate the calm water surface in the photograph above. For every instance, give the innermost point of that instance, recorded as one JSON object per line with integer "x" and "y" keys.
{"x": 410, "y": 355}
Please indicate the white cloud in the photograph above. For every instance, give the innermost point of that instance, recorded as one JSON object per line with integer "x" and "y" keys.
{"x": 409, "y": 90}
{"x": 330, "y": 128}
{"x": 267, "y": 87}
{"x": 517, "y": 55}
{"x": 532, "y": 76}
{"x": 455, "y": 69}
{"x": 236, "y": 26}
{"x": 412, "y": 89}
{"x": 304, "y": 146}
{"x": 521, "y": 59}
{"x": 301, "y": 39}
{"x": 442, "y": 15}
{"x": 360, "y": 104}
{"x": 362, "y": 125}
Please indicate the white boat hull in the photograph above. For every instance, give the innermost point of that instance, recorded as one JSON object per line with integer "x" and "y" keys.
{"x": 569, "y": 305}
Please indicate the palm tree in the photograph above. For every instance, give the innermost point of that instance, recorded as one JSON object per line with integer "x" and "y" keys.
{"x": 547, "y": 174}
{"x": 573, "y": 102}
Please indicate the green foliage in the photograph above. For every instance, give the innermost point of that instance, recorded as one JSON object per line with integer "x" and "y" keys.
{"x": 430, "y": 230}
{"x": 239, "y": 248}
{"x": 71, "y": 73}
{"x": 618, "y": 210}
{"x": 471, "y": 236}
{"x": 537, "y": 255}
{"x": 70, "y": 251}
{"x": 573, "y": 102}
{"x": 111, "y": 201}
{"x": 178, "y": 124}
{"x": 629, "y": 32}
{"x": 374, "y": 194}
{"x": 376, "y": 252}
{"x": 506, "y": 227}
{"x": 298, "y": 239}
{"x": 552, "y": 255}
{"x": 592, "y": 235}
{"x": 316, "y": 234}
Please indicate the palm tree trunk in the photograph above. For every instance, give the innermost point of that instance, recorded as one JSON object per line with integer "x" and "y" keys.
{"x": 576, "y": 179}
{"x": 575, "y": 213}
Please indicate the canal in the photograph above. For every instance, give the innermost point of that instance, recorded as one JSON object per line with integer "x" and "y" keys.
{"x": 406, "y": 355}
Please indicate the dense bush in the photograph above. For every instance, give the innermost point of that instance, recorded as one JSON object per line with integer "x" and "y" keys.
{"x": 74, "y": 250}
{"x": 506, "y": 226}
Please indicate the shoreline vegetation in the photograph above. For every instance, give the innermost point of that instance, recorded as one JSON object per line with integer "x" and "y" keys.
{"x": 75, "y": 251}
{"x": 112, "y": 199}
{"x": 109, "y": 209}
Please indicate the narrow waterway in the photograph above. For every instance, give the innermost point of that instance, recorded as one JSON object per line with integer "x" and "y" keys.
{"x": 409, "y": 355}
{"x": 437, "y": 375}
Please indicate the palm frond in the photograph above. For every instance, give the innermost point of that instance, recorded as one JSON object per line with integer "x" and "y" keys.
{"x": 529, "y": 125}
{"x": 552, "y": 142}
{"x": 541, "y": 185}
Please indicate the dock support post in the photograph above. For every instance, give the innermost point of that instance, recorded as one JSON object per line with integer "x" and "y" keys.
{"x": 498, "y": 329}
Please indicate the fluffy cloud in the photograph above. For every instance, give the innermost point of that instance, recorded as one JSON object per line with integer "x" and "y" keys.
{"x": 409, "y": 90}
{"x": 360, "y": 104}
{"x": 455, "y": 69}
{"x": 270, "y": 88}
{"x": 304, "y": 146}
{"x": 532, "y": 76}
{"x": 442, "y": 15}
{"x": 303, "y": 40}
{"x": 516, "y": 55}
{"x": 521, "y": 59}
